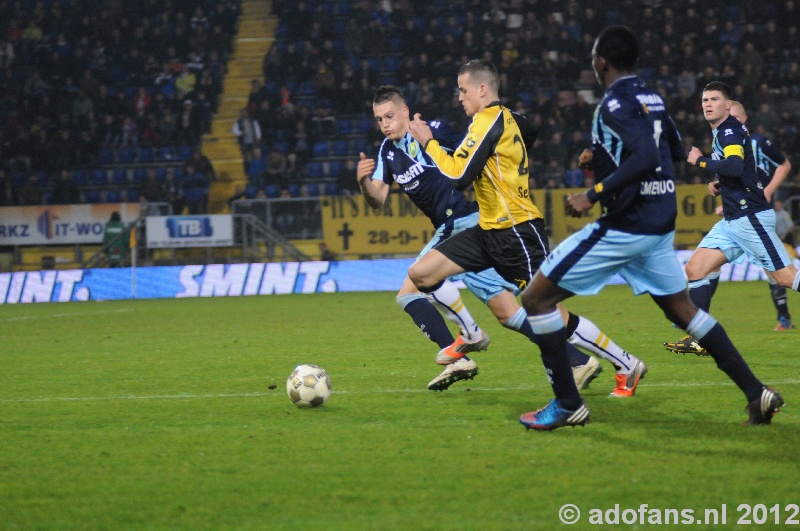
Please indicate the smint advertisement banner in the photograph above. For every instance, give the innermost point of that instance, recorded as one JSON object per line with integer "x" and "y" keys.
{"x": 234, "y": 280}
{"x": 60, "y": 224}
{"x": 189, "y": 231}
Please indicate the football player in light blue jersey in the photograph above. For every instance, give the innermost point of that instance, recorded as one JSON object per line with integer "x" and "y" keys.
{"x": 748, "y": 227}
{"x": 401, "y": 160}
{"x": 773, "y": 167}
{"x": 634, "y": 143}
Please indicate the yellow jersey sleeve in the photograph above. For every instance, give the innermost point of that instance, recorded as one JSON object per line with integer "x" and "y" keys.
{"x": 493, "y": 158}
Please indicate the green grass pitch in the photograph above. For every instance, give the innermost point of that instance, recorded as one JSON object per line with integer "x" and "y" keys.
{"x": 158, "y": 414}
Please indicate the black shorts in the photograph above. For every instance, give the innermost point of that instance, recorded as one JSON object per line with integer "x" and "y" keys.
{"x": 516, "y": 253}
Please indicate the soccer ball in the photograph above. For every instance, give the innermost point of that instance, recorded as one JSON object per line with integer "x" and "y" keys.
{"x": 308, "y": 386}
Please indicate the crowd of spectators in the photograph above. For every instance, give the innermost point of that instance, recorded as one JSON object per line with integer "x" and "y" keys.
{"x": 341, "y": 51}
{"x": 81, "y": 76}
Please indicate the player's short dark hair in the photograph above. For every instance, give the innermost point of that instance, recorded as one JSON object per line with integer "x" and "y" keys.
{"x": 386, "y": 93}
{"x": 721, "y": 87}
{"x": 619, "y": 46}
{"x": 483, "y": 71}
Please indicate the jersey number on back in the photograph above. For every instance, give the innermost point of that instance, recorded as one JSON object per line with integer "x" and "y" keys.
{"x": 523, "y": 166}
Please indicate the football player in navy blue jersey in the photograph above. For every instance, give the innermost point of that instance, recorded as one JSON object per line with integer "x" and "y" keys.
{"x": 634, "y": 144}
{"x": 401, "y": 160}
{"x": 773, "y": 167}
{"x": 748, "y": 227}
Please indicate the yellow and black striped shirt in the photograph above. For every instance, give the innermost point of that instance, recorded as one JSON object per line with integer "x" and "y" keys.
{"x": 493, "y": 156}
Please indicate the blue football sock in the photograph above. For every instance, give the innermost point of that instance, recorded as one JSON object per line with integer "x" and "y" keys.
{"x": 427, "y": 318}
{"x": 552, "y": 341}
{"x": 711, "y": 336}
{"x": 520, "y": 323}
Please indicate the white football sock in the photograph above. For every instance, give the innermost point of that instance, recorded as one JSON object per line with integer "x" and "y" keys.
{"x": 589, "y": 337}
{"x": 448, "y": 299}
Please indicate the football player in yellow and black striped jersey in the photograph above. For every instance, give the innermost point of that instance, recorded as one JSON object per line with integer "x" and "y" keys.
{"x": 492, "y": 157}
{"x": 510, "y": 235}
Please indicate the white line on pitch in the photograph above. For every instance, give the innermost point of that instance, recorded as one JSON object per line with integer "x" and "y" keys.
{"x": 27, "y": 317}
{"x": 339, "y": 392}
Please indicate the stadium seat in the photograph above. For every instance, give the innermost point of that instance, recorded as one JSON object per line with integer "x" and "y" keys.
{"x": 321, "y": 149}
{"x": 105, "y": 156}
{"x": 161, "y": 173}
{"x": 294, "y": 189}
{"x": 392, "y": 63}
{"x": 341, "y": 148}
{"x": 139, "y": 175}
{"x": 314, "y": 170}
{"x": 92, "y": 196}
{"x": 146, "y": 154}
{"x": 345, "y": 126}
{"x": 331, "y": 188}
{"x": 184, "y": 152}
{"x": 99, "y": 177}
{"x": 126, "y": 155}
{"x": 81, "y": 177}
{"x": 335, "y": 169}
{"x": 165, "y": 153}
{"x": 250, "y": 191}
{"x": 120, "y": 177}
{"x": 113, "y": 196}
{"x": 272, "y": 190}
{"x": 132, "y": 195}
{"x": 364, "y": 125}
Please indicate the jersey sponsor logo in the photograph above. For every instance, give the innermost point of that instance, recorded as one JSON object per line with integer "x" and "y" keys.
{"x": 657, "y": 188}
{"x": 728, "y": 132}
{"x": 613, "y": 105}
{"x": 651, "y": 102}
{"x": 412, "y": 172}
{"x": 390, "y": 155}
{"x": 409, "y": 187}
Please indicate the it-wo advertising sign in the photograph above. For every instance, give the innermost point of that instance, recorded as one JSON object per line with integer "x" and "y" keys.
{"x": 60, "y": 224}
{"x": 189, "y": 231}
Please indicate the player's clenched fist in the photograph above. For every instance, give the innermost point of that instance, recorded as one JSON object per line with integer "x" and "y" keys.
{"x": 365, "y": 167}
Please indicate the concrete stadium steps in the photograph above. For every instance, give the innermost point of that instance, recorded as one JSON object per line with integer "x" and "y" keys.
{"x": 256, "y": 33}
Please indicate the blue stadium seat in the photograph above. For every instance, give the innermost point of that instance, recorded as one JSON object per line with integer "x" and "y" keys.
{"x": 165, "y": 153}
{"x": 92, "y": 196}
{"x": 105, "y": 156}
{"x": 139, "y": 175}
{"x": 345, "y": 126}
{"x": 272, "y": 190}
{"x": 340, "y": 148}
{"x": 294, "y": 189}
{"x": 146, "y": 154}
{"x": 126, "y": 155}
{"x": 184, "y": 152}
{"x": 132, "y": 195}
{"x": 99, "y": 177}
{"x": 391, "y": 63}
{"x": 314, "y": 170}
{"x": 250, "y": 191}
{"x": 161, "y": 173}
{"x": 113, "y": 196}
{"x": 81, "y": 177}
{"x": 120, "y": 176}
{"x": 331, "y": 188}
{"x": 321, "y": 149}
{"x": 335, "y": 169}
{"x": 364, "y": 125}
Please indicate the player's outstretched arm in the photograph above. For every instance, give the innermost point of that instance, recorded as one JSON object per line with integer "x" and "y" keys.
{"x": 375, "y": 191}
{"x": 781, "y": 172}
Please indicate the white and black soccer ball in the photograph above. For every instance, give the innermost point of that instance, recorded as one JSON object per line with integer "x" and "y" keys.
{"x": 308, "y": 386}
